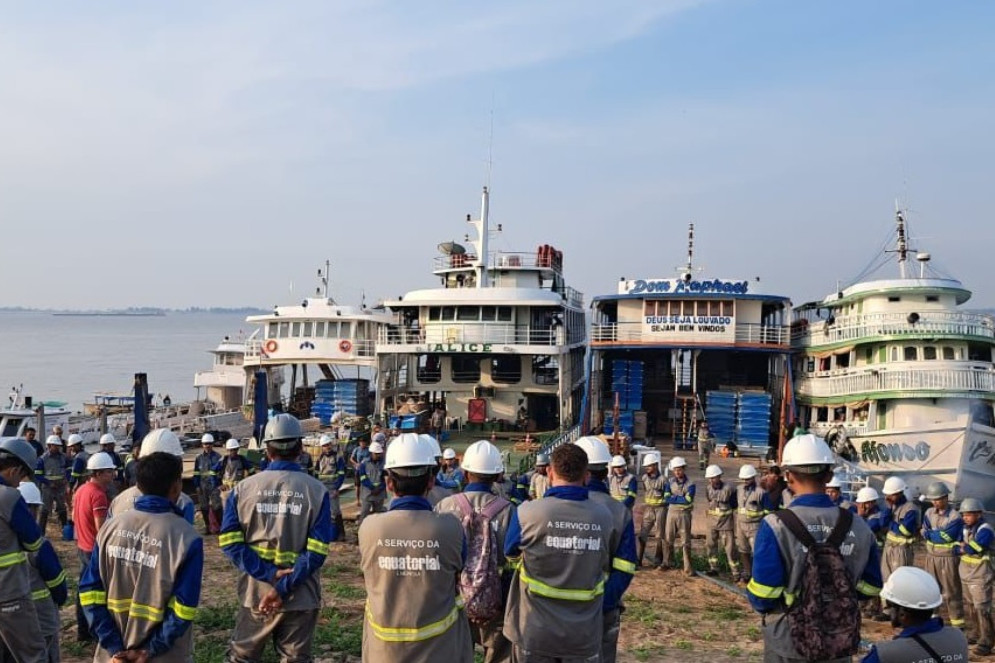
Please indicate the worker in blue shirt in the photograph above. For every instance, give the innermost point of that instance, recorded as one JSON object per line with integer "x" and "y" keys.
{"x": 622, "y": 484}
{"x": 679, "y": 496}
{"x": 976, "y": 573}
{"x": 942, "y": 529}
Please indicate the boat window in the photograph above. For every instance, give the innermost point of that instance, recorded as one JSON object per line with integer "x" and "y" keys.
{"x": 271, "y": 329}
{"x": 910, "y": 353}
{"x": 429, "y": 369}
{"x": 488, "y": 313}
{"x": 466, "y": 368}
{"x": 319, "y": 329}
{"x": 468, "y": 313}
{"x": 650, "y": 307}
{"x": 824, "y": 363}
{"x": 10, "y": 427}
{"x": 894, "y": 354}
{"x": 714, "y": 308}
{"x": 360, "y": 331}
{"x": 894, "y": 299}
{"x": 978, "y": 352}
{"x": 333, "y": 329}
{"x": 843, "y": 360}
{"x": 295, "y": 329}
{"x": 929, "y": 352}
{"x": 932, "y": 298}
{"x": 869, "y": 355}
{"x": 506, "y": 369}
{"x": 545, "y": 369}
{"x": 308, "y": 328}
{"x": 448, "y": 312}
{"x": 504, "y": 313}
{"x": 727, "y": 309}
{"x": 284, "y": 329}
{"x": 810, "y": 365}
{"x": 433, "y": 313}
{"x": 822, "y": 414}
{"x": 948, "y": 353}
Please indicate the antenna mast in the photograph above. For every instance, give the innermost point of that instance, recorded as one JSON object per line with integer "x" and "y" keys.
{"x": 903, "y": 246}
{"x": 689, "y": 267}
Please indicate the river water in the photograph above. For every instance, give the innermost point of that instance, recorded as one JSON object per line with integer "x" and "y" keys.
{"x": 69, "y": 358}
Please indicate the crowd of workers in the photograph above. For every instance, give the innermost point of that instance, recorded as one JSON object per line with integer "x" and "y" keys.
{"x": 455, "y": 554}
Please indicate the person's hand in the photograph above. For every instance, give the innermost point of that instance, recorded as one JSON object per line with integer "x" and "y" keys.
{"x": 282, "y": 572}
{"x": 271, "y": 603}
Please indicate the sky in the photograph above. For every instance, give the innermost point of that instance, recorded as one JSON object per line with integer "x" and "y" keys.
{"x": 216, "y": 154}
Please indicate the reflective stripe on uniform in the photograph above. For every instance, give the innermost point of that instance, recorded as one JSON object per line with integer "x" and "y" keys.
{"x": 719, "y": 512}
{"x": 938, "y": 546}
{"x": 654, "y": 501}
{"x": 868, "y": 589}
{"x": 763, "y": 591}
{"x": 900, "y": 540}
{"x": 316, "y": 546}
{"x": 542, "y": 589}
{"x": 417, "y": 634}
{"x": 971, "y": 559}
{"x": 623, "y": 565}
{"x": 682, "y": 507}
{"x": 34, "y": 546}
{"x": 41, "y": 594}
{"x": 57, "y": 580}
{"x": 231, "y": 538}
{"x": 287, "y": 557}
{"x": 12, "y": 559}
{"x": 976, "y": 546}
{"x": 751, "y": 514}
{"x": 136, "y": 610}
{"x": 184, "y": 612}
{"x": 92, "y": 598}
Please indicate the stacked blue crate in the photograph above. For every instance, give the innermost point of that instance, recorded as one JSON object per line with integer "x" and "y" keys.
{"x": 753, "y": 425}
{"x": 634, "y": 394}
{"x": 349, "y": 396}
{"x": 720, "y": 411}
{"x": 323, "y": 406}
{"x": 626, "y": 423}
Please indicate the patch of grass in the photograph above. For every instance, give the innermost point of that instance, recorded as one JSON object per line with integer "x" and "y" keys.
{"x": 73, "y": 648}
{"x": 646, "y": 652}
{"x": 336, "y": 633}
{"x": 341, "y": 568}
{"x": 684, "y": 644}
{"x": 734, "y": 652}
{"x": 642, "y": 611}
{"x": 707, "y": 636}
{"x": 681, "y": 610}
{"x": 753, "y": 633}
{"x": 211, "y": 649}
{"x": 349, "y": 592}
{"x": 728, "y": 613}
{"x": 216, "y": 617}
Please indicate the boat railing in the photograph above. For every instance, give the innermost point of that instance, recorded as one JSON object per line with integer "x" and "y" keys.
{"x": 468, "y": 332}
{"x": 635, "y": 332}
{"x": 497, "y": 259}
{"x": 255, "y": 348}
{"x": 927, "y": 323}
{"x": 853, "y": 428}
{"x": 566, "y": 437}
{"x": 975, "y": 377}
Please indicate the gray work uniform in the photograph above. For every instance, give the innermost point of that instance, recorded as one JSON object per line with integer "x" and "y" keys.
{"x": 654, "y": 512}
{"x": 898, "y": 546}
{"x": 976, "y": 576}
{"x": 372, "y": 501}
{"x": 749, "y": 514}
{"x": 436, "y": 494}
{"x": 209, "y": 493}
{"x": 941, "y": 563}
{"x": 53, "y": 468}
{"x": 618, "y": 486}
{"x": 490, "y": 636}
{"x": 411, "y": 560}
{"x": 138, "y": 573}
{"x": 856, "y": 552}
{"x": 554, "y": 607}
{"x": 277, "y": 510}
{"x": 678, "y": 522}
{"x": 329, "y": 474}
{"x": 949, "y": 642}
{"x": 705, "y": 446}
{"x": 48, "y": 611}
{"x": 233, "y": 470}
{"x": 125, "y": 501}
{"x": 19, "y": 627}
{"x": 538, "y": 486}
{"x": 721, "y": 502}
{"x": 612, "y": 619}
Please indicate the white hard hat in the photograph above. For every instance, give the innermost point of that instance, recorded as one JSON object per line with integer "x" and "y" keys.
{"x": 596, "y": 450}
{"x": 408, "y": 451}
{"x": 482, "y": 457}
{"x": 30, "y": 492}
{"x": 54, "y": 439}
{"x": 431, "y": 441}
{"x": 161, "y": 440}
{"x": 806, "y": 451}
{"x": 747, "y": 472}
{"x": 867, "y": 494}
{"x": 100, "y": 461}
{"x": 652, "y": 458}
{"x": 713, "y": 471}
{"x": 894, "y": 485}
{"x": 911, "y": 587}
{"x": 618, "y": 461}
{"x": 325, "y": 441}
{"x": 107, "y": 438}
{"x": 207, "y": 439}
{"x": 377, "y": 448}
{"x": 232, "y": 443}
{"x": 835, "y": 483}
{"x": 75, "y": 439}
{"x": 677, "y": 461}
{"x": 449, "y": 454}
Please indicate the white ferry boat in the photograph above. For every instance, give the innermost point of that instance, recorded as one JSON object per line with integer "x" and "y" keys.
{"x": 329, "y": 348}
{"x": 225, "y": 383}
{"x": 500, "y": 345}
{"x": 896, "y": 368}
{"x": 22, "y": 412}
{"x": 667, "y": 353}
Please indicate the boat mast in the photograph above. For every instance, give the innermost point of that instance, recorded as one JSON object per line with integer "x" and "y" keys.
{"x": 323, "y": 278}
{"x": 903, "y": 246}
{"x": 688, "y": 269}
{"x": 480, "y": 244}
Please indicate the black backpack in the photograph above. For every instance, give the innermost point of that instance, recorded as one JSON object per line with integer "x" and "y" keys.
{"x": 824, "y": 619}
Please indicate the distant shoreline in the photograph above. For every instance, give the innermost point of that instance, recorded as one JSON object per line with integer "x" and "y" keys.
{"x": 157, "y": 314}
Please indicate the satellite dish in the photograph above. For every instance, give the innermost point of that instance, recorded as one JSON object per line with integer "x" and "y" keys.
{"x": 451, "y": 249}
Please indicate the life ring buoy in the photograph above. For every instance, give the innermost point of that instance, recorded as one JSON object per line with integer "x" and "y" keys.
{"x": 271, "y": 346}
{"x": 345, "y": 346}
